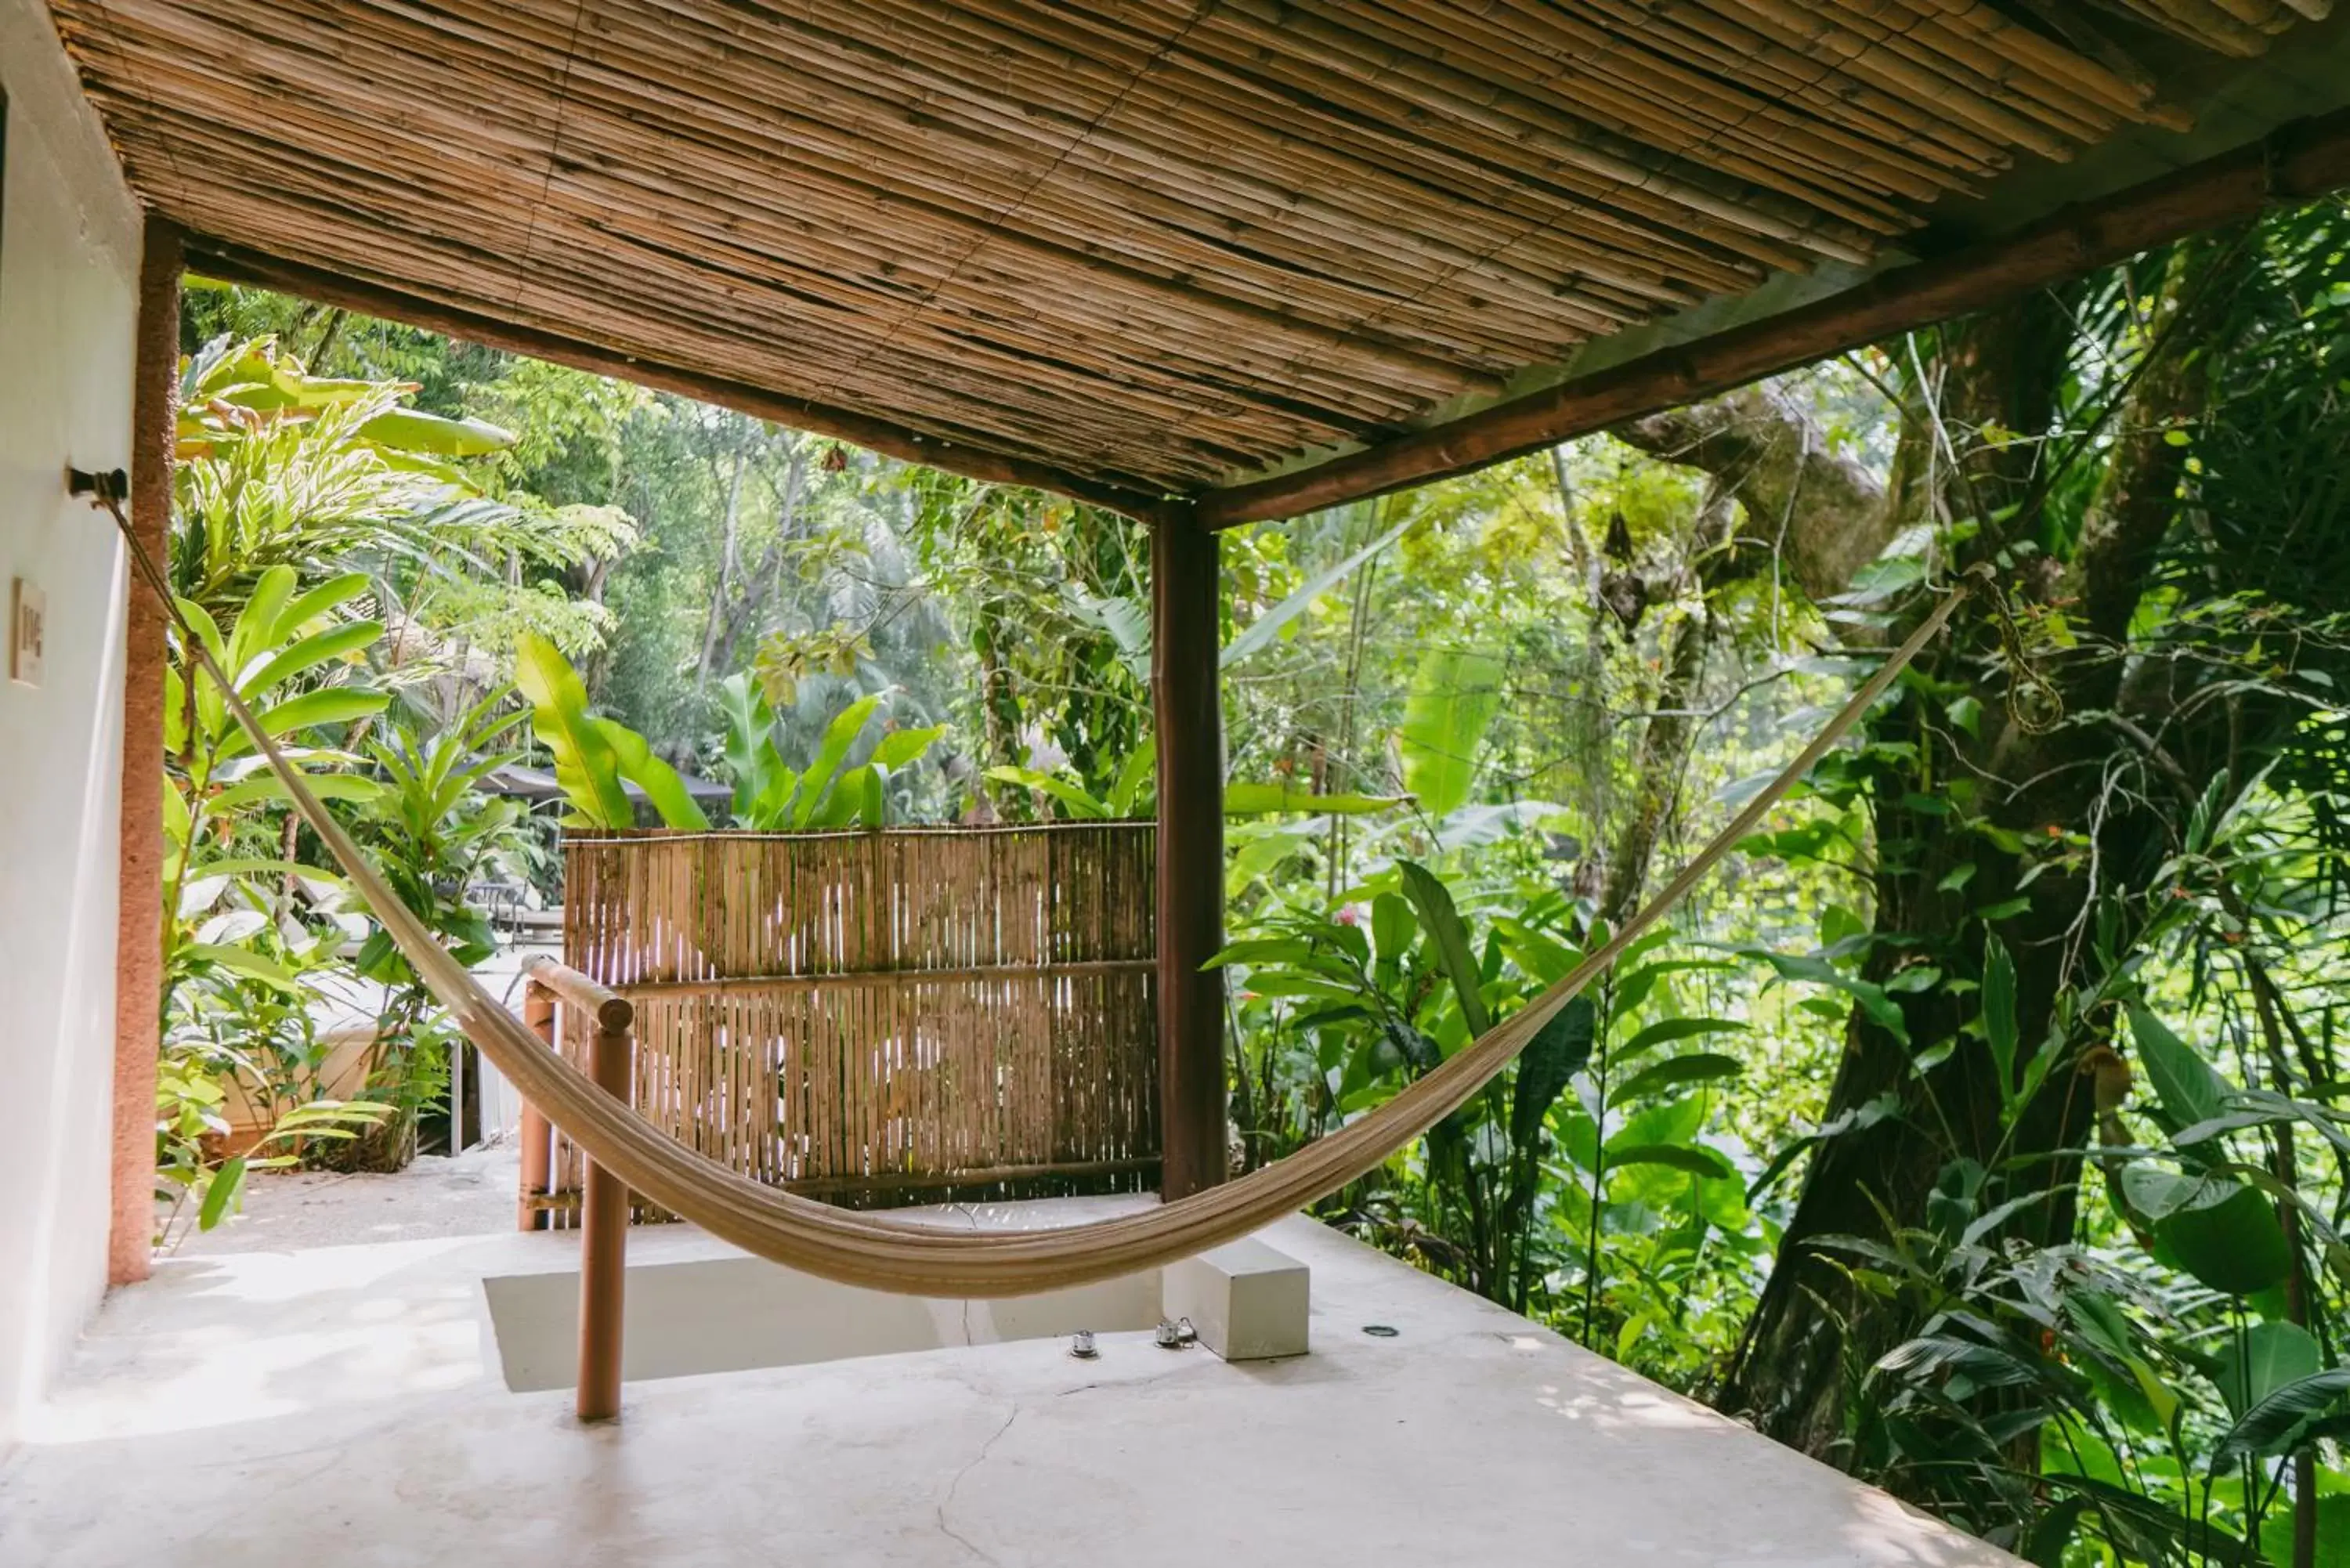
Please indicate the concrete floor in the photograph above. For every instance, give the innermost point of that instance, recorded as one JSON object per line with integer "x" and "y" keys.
{"x": 342, "y": 1404}
{"x": 297, "y": 1210}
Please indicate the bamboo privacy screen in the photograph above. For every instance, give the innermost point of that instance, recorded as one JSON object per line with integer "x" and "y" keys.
{"x": 880, "y": 1017}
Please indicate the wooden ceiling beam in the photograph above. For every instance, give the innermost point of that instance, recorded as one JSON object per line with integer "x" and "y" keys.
{"x": 2298, "y": 162}
{"x": 238, "y": 263}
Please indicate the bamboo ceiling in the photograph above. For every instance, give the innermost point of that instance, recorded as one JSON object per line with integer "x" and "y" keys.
{"x": 1150, "y": 243}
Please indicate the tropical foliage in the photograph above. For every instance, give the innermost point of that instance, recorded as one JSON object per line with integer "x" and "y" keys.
{"x": 320, "y": 526}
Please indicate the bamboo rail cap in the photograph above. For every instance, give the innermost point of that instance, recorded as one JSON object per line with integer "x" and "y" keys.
{"x": 614, "y": 1013}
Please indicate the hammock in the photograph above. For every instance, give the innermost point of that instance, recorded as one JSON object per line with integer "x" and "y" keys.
{"x": 879, "y": 1253}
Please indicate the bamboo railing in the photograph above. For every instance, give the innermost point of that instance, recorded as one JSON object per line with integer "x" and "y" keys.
{"x": 604, "y": 1205}
{"x": 872, "y": 1018}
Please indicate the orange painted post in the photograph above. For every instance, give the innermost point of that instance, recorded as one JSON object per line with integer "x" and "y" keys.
{"x": 537, "y": 1137}
{"x": 604, "y": 1233}
{"x": 139, "y": 919}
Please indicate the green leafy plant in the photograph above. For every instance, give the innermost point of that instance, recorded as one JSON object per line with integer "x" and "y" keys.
{"x": 596, "y": 759}
{"x": 281, "y": 468}
{"x": 1454, "y": 698}
{"x": 226, "y": 877}
{"x": 239, "y": 942}
{"x": 202, "y": 1189}
{"x": 1518, "y": 1192}
{"x": 771, "y": 795}
{"x": 433, "y": 833}
{"x": 1133, "y": 790}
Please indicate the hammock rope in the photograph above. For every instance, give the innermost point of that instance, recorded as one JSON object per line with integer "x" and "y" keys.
{"x": 877, "y": 1252}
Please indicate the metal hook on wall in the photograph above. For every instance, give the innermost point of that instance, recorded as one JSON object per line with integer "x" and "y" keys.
{"x": 113, "y": 485}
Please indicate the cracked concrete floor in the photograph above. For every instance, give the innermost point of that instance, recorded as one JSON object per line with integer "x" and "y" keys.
{"x": 339, "y": 1405}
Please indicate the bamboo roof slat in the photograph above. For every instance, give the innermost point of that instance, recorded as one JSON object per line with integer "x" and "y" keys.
{"x": 1739, "y": 49}
{"x": 1887, "y": 59}
{"x": 1100, "y": 258}
{"x": 1959, "y": 43}
{"x": 640, "y": 149}
{"x": 1548, "y": 53}
{"x": 2123, "y": 90}
{"x": 1238, "y": 100}
{"x": 1130, "y": 249}
{"x": 1456, "y": 97}
{"x": 2206, "y": 22}
{"x": 1240, "y": 142}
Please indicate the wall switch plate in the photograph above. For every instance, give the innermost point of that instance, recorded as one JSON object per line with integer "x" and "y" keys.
{"x": 28, "y": 612}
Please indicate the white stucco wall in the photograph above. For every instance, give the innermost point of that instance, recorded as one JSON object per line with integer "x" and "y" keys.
{"x": 69, "y": 276}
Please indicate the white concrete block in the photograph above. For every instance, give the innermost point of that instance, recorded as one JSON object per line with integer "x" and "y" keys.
{"x": 1247, "y": 1301}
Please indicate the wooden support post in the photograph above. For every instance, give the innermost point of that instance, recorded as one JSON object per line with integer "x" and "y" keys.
{"x": 1188, "y": 707}
{"x": 604, "y": 1235}
{"x": 537, "y": 1138}
{"x": 139, "y": 917}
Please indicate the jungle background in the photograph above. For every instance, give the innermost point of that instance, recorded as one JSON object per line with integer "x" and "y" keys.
{"x": 1978, "y": 1130}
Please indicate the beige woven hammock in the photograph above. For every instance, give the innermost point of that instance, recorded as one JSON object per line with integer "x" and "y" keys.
{"x": 879, "y": 1253}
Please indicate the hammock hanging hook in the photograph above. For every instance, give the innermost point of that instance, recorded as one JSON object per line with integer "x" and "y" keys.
{"x": 113, "y": 485}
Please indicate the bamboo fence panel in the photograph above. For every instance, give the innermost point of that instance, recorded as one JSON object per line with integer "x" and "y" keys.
{"x": 883, "y": 1017}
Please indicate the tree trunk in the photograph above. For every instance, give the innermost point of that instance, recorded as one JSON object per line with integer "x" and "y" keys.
{"x": 730, "y": 568}
{"x": 1812, "y": 517}
{"x": 999, "y": 701}
{"x": 1813, "y": 1334}
{"x": 762, "y": 587}
{"x": 1672, "y": 725}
